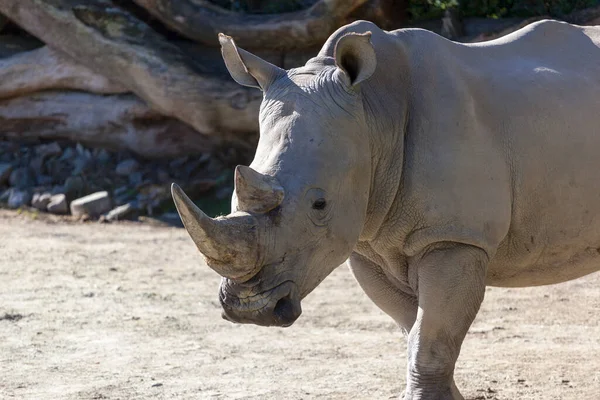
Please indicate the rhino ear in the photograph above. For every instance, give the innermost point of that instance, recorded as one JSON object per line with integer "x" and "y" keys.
{"x": 246, "y": 68}
{"x": 354, "y": 54}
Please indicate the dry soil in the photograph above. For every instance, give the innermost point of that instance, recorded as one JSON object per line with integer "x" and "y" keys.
{"x": 128, "y": 311}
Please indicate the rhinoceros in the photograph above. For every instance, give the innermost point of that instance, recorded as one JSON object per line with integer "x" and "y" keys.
{"x": 433, "y": 168}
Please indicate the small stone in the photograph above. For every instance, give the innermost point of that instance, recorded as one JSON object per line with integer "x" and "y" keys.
{"x": 120, "y": 213}
{"x": 48, "y": 150}
{"x": 127, "y": 167}
{"x": 74, "y": 187}
{"x": 5, "y": 195}
{"x": 179, "y": 162}
{"x": 163, "y": 176}
{"x": 5, "y": 171}
{"x": 93, "y": 205}
{"x": 58, "y": 204}
{"x": 136, "y": 178}
{"x": 37, "y": 165}
{"x": 44, "y": 180}
{"x": 102, "y": 156}
{"x": 58, "y": 189}
{"x": 19, "y": 198}
{"x": 68, "y": 154}
{"x": 21, "y": 178}
{"x": 81, "y": 164}
{"x": 41, "y": 201}
{"x": 172, "y": 219}
{"x": 80, "y": 149}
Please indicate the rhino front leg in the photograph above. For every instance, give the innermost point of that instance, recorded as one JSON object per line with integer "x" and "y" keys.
{"x": 401, "y": 306}
{"x": 451, "y": 287}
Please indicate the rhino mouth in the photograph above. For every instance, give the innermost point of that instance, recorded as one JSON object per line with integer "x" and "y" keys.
{"x": 244, "y": 304}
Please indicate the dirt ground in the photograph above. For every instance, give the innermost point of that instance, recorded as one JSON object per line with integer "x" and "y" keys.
{"x": 127, "y": 311}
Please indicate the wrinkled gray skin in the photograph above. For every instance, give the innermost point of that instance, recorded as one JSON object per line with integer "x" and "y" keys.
{"x": 443, "y": 168}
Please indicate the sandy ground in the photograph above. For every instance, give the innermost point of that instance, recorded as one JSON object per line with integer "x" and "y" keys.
{"x": 127, "y": 311}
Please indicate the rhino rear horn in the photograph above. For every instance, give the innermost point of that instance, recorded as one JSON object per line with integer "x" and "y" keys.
{"x": 256, "y": 192}
{"x": 230, "y": 244}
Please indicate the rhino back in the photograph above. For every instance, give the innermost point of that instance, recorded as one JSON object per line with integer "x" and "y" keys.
{"x": 502, "y": 150}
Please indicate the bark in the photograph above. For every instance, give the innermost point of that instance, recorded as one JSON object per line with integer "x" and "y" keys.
{"x": 44, "y": 69}
{"x": 202, "y": 21}
{"x": 117, "y": 45}
{"x": 3, "y": 22}
{"x": 115, "y": 122}
{"x": 481, "y": 29}
{"x": 387, "y": 14}
{"x": 587, "y": 16}
{"x": 11, "y": 45}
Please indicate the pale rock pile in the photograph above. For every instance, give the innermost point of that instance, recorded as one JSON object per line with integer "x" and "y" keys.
{"x": 67, "y": 178}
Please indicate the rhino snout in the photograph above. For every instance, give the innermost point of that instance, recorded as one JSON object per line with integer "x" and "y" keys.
{"x": 279, "y": 306}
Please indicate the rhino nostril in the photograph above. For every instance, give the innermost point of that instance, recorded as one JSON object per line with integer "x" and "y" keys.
{"x": 284, "y": 310}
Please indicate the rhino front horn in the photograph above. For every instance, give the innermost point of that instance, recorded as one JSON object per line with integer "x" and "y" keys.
{"x": 230, "y": 244}
{"x": 256, "y": 192}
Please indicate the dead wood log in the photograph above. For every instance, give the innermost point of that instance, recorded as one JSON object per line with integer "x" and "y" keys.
{"x": 117, "y": 45}
{"x": 586, "y": 16}
{"x": 483, "y": 29}
{"x": 44, "y": 69}
{"x": 202, "y": 21}
{"x": 115, "y": 122}
{"x": 3, "y": 22}
{"x": 11, "y": 45}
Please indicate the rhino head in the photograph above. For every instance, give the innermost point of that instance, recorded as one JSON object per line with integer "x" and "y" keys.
{"x": 299, "y": 208}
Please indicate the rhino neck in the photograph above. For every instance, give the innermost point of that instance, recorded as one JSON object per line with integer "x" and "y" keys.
{"x": 386, "y": 102}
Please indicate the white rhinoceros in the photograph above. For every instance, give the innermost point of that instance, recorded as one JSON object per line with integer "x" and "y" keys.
{"x": 435, "y": 168}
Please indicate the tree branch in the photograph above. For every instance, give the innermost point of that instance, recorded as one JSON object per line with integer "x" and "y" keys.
{"x": 44, "y": 69}
{"x": 115, "y": 122}
{"x": 117, "y": 45}
{"x": 202, "y": 21}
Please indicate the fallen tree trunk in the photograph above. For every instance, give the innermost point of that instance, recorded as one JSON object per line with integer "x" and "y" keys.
{"x": 587, "y": 16}
{"x": 484, "y": 29}
{"x": 115, "y": 122}
{"x": 44, "y": 69}
{"x": 117, "y": 45}
{"x": 202, "y": 21}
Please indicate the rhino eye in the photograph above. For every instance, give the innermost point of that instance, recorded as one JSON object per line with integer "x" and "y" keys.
{"x": 319, "y": 204}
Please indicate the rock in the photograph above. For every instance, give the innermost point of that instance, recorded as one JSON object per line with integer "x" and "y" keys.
{"x": 58, "y": 189}
{"x": 44, "y": 180}
{"x": 127, "y": 167}
{"x": 22, "y": 178}
{"x": 5, "y": 195}
{"x": 74, "y": 187}
{"x": 172, "y": 219}
{"x": 18, "y": 198}
{"x": 41, "y": 201}
{"x": 199, "y": 187}
{"x": 178, "y": 162}
{"x": 57, "y": 169}
{"x": 82, "y": 164}
{"x": 48, "y": 150}
{"x": 5, "y": 171}
{"x": 37, "y": 165}
{"x": 122, "y": 212}
{"x": 80, "y": 149}
{"x": 58, "y": 204}
{"x": 163, "y": 176}
{"x": 93, "y": 205}
{"x": 136, "y": 178}
{"x": 102, "y": 156}
{"x": 68, "y": 154}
